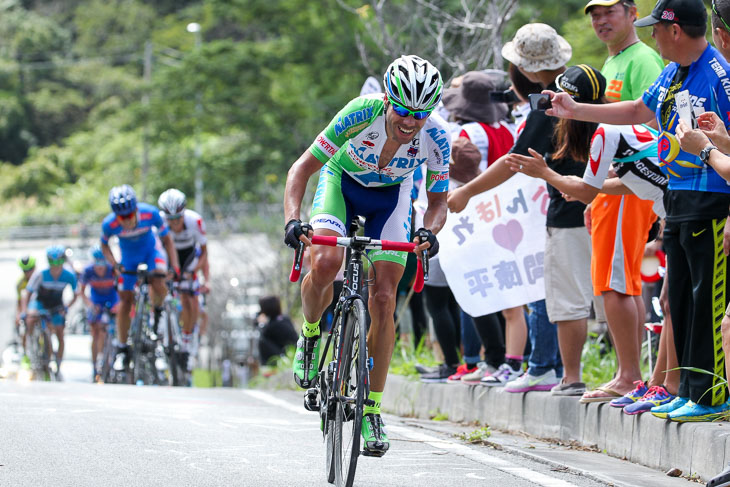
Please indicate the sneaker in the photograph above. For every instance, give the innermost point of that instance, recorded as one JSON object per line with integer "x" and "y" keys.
{"x": 572, "y": 389}
{"x": 693, "y": 412}
{"x": 461, "y": 371}
{"x": 631, "y": 397}
{"x": 483, "y": 370}
{"x": 721, "y": 480}
{"x": 306, "y": 360}
{"x": 663, "y": 410}
{"x": 655, "y": 396}
{"x": 528, "y": 382}
{"x": 441, "y": 375}
{"x": 504, "y": 374}
{"x": 375, "y": 440}
{"x": 426, "y": 369}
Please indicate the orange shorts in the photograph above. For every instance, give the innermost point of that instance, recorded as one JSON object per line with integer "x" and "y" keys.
{"x": 619, "y": 229}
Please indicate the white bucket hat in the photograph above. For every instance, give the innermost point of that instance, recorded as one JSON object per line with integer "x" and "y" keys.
{"x": 537, "y": 47}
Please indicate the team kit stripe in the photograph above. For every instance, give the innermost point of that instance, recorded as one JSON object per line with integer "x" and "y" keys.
{"x": 718, "y": 312}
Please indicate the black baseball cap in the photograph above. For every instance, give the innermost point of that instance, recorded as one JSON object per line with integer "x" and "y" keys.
{"x": 583, "y": 82}
{"x": 682, "y": 12}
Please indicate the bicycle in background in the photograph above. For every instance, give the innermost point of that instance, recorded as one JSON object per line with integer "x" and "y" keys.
{"x": 342, "y": 385}
{"x": 40, "y": 347}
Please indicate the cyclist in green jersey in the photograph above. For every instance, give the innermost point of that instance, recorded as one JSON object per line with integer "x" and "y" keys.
{"x": 27, "y": 265}
{"x": 366, "y": 158}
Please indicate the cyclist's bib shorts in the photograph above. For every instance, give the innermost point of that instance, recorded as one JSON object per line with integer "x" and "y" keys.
{"x": 154, "y": 257}
{"x": 36, "y": 308}
{"x": 96, "y": 312}
{"x": 386, "y": 209}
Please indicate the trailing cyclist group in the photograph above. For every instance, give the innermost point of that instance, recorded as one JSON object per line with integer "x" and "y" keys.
{"x": 143, "y": 302}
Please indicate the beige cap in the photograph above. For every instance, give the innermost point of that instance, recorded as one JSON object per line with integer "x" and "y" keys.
{"x": 537, "y": 47}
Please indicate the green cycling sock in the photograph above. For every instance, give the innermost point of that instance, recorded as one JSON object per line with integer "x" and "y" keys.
{"x": 310, "y": 329}
{"x": 376, "y": 397}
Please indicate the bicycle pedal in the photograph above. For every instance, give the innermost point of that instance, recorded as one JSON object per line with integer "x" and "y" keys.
{"x": 368, "y": 453}
{"x": 311, "y": 402}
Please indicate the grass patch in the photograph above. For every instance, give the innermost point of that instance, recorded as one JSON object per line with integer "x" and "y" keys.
{"x": 405, "y": 359}
{"x": 478, "y": 436}
{"x": 437, "y": 415}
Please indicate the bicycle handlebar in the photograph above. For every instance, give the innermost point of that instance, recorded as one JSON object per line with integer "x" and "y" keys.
{"x": 332, "y": 241}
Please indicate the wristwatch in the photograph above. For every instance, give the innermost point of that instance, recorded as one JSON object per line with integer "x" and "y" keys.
{"x": 705, "y": 153}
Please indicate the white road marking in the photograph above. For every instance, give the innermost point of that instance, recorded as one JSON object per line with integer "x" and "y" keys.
{"x": 266, "y": 397}
{"x": 499, "y": 464}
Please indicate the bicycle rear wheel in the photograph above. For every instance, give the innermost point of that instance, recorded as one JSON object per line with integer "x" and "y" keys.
{"x": 350, "y": 383}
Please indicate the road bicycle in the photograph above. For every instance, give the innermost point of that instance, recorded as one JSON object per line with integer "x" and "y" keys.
{"x": 176, "y": 358}
{"x": 106, "y": 371}
{"x": 148, "y": 364}
{"x": 340, "y": 391}
{"x": 41, "y": 347}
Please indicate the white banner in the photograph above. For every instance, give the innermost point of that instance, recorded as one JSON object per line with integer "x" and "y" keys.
{"x": 493, "y": 252}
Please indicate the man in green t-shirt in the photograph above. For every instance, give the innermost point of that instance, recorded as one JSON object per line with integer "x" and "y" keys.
{"x": 631, "y": 67}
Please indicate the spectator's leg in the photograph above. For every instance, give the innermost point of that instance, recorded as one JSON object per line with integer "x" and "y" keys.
{"x": 491, "y": 333}
{"x": 470, "y": 340}
{"x": 623, "y": 320}
{"x": 544, "y": 340}
{"x": 420, "y": 323}
{"x": 571, "y": 338}
{"x": 437, "y": 301}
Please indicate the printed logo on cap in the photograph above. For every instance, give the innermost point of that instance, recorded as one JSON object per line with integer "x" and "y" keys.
{"x": 668, "y": 14}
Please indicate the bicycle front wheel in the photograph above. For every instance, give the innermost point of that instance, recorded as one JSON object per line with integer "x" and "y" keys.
{"x": 350, "y": 383}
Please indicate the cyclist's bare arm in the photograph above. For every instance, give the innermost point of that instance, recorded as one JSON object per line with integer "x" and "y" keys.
{"x": 296, "y": 184}
{"x": 203, "y": 259}
{"x": 171, "y": 252}
{"x": 107, "y": 251}
{"x": 435, "y": 216}
{"x": 619, "y": 113}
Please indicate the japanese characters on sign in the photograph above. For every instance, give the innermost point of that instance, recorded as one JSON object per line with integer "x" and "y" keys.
{"x": 493, "y": 252}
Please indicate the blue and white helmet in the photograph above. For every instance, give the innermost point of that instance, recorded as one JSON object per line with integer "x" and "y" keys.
{"x": 123, "y": 200}
{"x": 413, "y": 82}
{"x": 97, "y": 254}
{"x": 55, "y": 252}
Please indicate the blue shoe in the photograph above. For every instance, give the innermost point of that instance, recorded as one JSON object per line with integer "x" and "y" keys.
{"x": 697, "y": 412}
{"x": 655, "y": 396}
{"x": 664, "y": 410}
{"x": 631, "y": 397}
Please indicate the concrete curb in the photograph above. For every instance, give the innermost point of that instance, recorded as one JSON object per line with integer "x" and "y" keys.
{"x": 695, "y": 448}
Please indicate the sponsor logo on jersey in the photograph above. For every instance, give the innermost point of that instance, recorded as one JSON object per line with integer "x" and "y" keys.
{"x": 439, "y": 177}
{"x": 722, "y": 74}
{"x": 354, "y": 118}
{"x": 368, "y": 143}
{"x": 372, "y": 135}
{"x": 668, "y": 14}
{"x": 327, "y": 147}
{"x": 415, "y": 142}
{"x": 369, "y": 160}
{"x": 356, "y": 128}
{"x": 412, "y": 151}
{"x": 442, "y": 141}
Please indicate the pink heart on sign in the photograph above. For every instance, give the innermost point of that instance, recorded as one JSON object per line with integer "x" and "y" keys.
{"x": 508, "y": 235}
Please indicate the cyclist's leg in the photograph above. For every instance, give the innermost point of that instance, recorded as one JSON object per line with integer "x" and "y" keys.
{"x": 388, "y": 217}
{"x": 93, "y": 317}
{"x": 31, "y": 320}
{"x": 157, "y": 264}
{"x": 58, "y": 325}
{"x": 327, "y": 218}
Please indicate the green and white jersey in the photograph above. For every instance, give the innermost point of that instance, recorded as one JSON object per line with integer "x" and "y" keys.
{"x": 354, "y": 139}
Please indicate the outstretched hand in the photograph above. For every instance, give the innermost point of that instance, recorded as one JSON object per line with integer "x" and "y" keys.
{"x": 457, "y": 199}
{"x": 692, "y": 141}
{"x": 563, "y": 105}
{"x": 713, "y": 127}
{"x": 534, "y": 166}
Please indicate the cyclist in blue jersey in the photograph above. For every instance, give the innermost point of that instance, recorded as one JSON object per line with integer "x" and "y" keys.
{"x": 366, "y": 158}
{"x": 137, "y": 226}
{"x": 696, "y": 81}
{"x": 99, "y": 277}
{"x": 45, "y": 294}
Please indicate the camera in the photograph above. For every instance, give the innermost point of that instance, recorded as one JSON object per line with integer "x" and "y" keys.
{"x": 540, "y": 102}
{"x": 508, "y": 96}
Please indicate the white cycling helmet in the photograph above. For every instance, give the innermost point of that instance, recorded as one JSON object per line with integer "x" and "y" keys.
{"x": 172, "y": 202}
{"x": 413, "y": 82}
